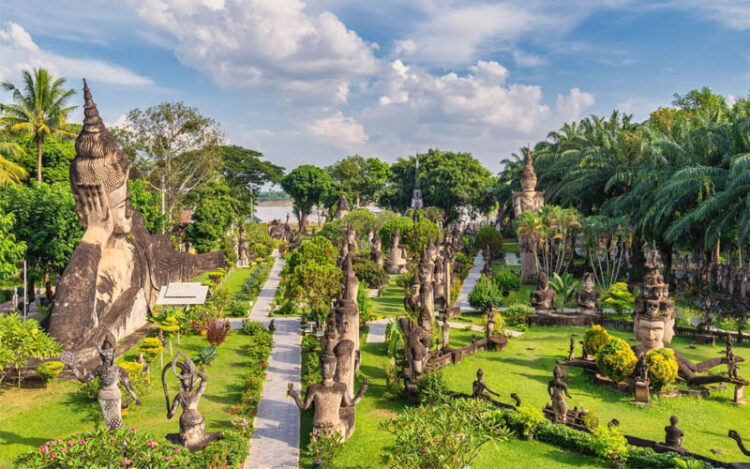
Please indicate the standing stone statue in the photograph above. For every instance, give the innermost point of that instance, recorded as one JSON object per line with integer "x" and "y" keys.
{"x": 426, "y": 292}
{"x": 329, "y": 397}
{"x": 412, "y": 303}
{"x": 572, "y": 350}
{"x": 417, "y": 343}
{"x": 558, "y": 389}
{"x": 479, "y": 387}
{"x": 588, "y": 299}
{"x": 376, "y": 253}
{"x": 543, "y": 299}
{"x": 673, "y": 435}
{"x": 490, "y": 330}
{"x": 396, "y": 261}
{"x": 192, "y": 434}
{"x": 642, "y": 381}
{"x": 115, "y": 273}
{"x": 446, "y": 330}
{"x": 110, "y": 397}
{"x": 244, "y": 258}
{"x": 527, "y": 199}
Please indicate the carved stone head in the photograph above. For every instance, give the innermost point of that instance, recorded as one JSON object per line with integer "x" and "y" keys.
{"x": 542, "y": 281}
{"x": 100, "y": 162}
{"x": 588, "y": 281}
{"x": 328, "y": 366}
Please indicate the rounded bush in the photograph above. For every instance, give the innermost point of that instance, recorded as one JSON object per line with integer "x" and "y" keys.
{"x": 616, "y": 359}
{"x": 517, "y": 315}
{"x": 594, "y": 339}
{"x": 370, "y": 273}
{"x": 49, "y": 371}
{"x": 489, "y": 236}
{"x": 507, "y": 281}
{"x": 485, "y": 294}
{"x": 662, "y": 368}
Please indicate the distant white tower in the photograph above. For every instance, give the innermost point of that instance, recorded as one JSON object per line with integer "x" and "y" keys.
{"x": 416, "y": 198}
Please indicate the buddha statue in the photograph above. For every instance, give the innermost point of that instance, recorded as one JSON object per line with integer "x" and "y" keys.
{"x": 115, "y": 273}
{"x": 588, "y": 299}
{"x": 543, "y": 299}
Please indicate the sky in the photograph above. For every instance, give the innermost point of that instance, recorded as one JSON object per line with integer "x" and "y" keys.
{"x": 315, "y": 82}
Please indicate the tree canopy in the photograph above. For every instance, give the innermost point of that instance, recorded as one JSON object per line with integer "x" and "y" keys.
{"x": 307, "y": 185}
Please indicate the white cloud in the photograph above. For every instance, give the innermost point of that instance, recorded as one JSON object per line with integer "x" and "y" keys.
{"x": 569, "y": 107}
{"x": 264, "y": 42}
{"x": 20, "y": 52}
{"x": 404, "y": 48}
{"x": 734, "y": 14}
{"x": 339, "y": 131}
{"x": 524, "y": 59}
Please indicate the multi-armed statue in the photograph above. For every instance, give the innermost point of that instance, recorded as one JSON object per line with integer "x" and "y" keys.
{"x": 116, "y": 271}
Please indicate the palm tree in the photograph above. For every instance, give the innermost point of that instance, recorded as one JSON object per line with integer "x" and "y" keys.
{"x": 40, "y": 110}
{"x": 10, "y": 172}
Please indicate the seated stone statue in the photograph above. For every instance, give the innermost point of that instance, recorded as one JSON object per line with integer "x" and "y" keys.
{"x": 588, "y": 299}
{"x": 543, "y": 299}
{"x": 479, "y": 387}
{"x": 329, "y": 397}
{"x": 673, "y": 435}
{"x": 116, "y": 271}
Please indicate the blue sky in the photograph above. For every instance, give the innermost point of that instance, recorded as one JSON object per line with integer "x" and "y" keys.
{"x": 318, "y": 81}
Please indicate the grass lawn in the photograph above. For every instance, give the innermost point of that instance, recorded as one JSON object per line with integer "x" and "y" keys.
{"x": 391, "y": 302}
{"x": 30, "y": 417}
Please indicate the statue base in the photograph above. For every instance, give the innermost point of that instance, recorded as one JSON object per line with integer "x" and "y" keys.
{"x": 641, "y": 395}
{"x": 739, "y": 395}
{"x": 196, "y": 444}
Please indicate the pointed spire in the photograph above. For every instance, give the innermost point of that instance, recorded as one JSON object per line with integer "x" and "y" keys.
{"x": 528, "y": 178}
{"x": 92, "y": 122}
{"x": 416, "y": 171}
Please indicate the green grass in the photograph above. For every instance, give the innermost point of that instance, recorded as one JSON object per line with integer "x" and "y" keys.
{"x": 391, "y": 302}
{"x": 237, "y": 278}
{"x": 30, "y": 417}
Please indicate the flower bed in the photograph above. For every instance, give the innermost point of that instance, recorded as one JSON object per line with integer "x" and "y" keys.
{"x": 249, "y": 291}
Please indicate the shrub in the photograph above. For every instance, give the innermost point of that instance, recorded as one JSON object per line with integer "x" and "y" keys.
{"x": 609, "y": 443}
{"x": 462, "y": 265}
{"x": 139, "y": 381}
{"x": 48, "y": 371}
{"x": 485, "y": 294}
{"x": 215, "y": 277}
{"x": 20, "y": 340}
{"x": 488, "y": 235}
{"x": 507, "y": 281}
{"x": 150, "y": 347}
{"x": 662, "y": 368}
{"x": 564, "y": 286}
{"x": 90, "y": 389}
{"x": 217, "y": 332}
{"x": 96, "y": 449}
{"x": 365, "y": 305}
{"x": 370, "y": 273}
{"x": 252, "y": 327}
{"x": 618, "y": 297}
{"x": 228, "y": 452}
{"x": 594, "y": 339}
{"x": 323, "y": 448}
{"x": 169, "y": 326}
{"x": 526, "y": 419}
{"x": 206, "y": 355}
{"x": 517, "y": 315}
{"x": 616, "y": 359}
{"x": 431, "y": 387}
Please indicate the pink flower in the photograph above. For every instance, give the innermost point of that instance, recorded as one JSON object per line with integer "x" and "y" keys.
{"x": 78, "y": 433}
{"x": 57, "y": 440}
{"x": 126, "y": 462}
{"x": 168, "y": 458}
{"x": 176, "y": 451}
{"x": 63, "y": 449}
{"x": 132, "y": 430}
{"x": 43, "y": 448}
{"x": 71, "y": 442}
{"x": 151, "y": 443}
{"x": 81, "y": 441}
{"x": 52, "y": 454}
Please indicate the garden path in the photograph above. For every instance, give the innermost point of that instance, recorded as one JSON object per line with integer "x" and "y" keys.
{"x": 376, "y": 335}
{"x": 471, "y": 280}
{"x": 511, "y": 259}
{"x": 275, "y": 442}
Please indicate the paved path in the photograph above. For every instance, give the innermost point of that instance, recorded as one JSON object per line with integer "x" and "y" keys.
{"x": 511, "y": 259}
{"x": 275, "y": 442}
{"x": 377, "y": 331}
{"x": 463, "y": 297}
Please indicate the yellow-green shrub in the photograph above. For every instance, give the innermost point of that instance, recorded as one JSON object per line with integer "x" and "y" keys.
{"x": 139, "y": 380}
{"x": 662, "y": 367}
{"x": 616, "y": 359}
{"x": 594, "y": 339}
{"x": 151, "y": 347}
{"x": 49, "y": 371}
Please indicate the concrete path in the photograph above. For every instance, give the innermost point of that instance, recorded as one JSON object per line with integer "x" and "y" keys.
{"x": 476, "y": 270}
{"x": 511, "y": 259}
{"x": 275, "y": 442}
{"x": 377, "y": 331}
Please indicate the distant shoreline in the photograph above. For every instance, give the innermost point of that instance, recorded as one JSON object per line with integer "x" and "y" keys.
{"x": 267, "y": 203}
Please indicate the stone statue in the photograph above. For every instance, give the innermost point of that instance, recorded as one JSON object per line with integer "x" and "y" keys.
{"x": 342, "y": 208}
{"x": 588, "y": 299}
{"x": 244, "y": 257}
{"x": 641, "y": 371}
{"x": 490, "y": 330}
{"x": 412, "y": 303}
{"x": 446, "y": 330}
{"x": 527, "y": 199}
{"x": 329, "y": 397}
{"x": 417, "y": 343}
{"x": 115, "y": 273}
{"x": 396, "y": 261}
{"x": 192, "y": 434}
{"x": 479, "y": 387}
{"x": 376, "y": 253}
{"x": 572, "y": 350}
{"x": 558, "y": 389}
{"x": 543, "y": 299}
{"x": 426, "y": 291}
{"x": 673, "y": 435}
{"x": 110, "y": 397}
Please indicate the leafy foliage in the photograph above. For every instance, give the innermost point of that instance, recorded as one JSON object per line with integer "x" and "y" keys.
{"x": 485, "y": 294}
{"x": 217, "y": 332}
{"x": 609, "y": 443}
{"x": 528, "y": 418}
{"x": 324, "y": 447}
{"x": 148, "y": 204}
{"x": 21, "y": 340}
{"x": 662, "y": 368}
{"x": 370, "y": 273}
{"x": 594, "y": 338}
{"x": 616, "y": 359}
{"x": 564, "y": 286}
{"x": 618, "y": 297}
{"x": 517, "y": 315}
{"x": 507, "y": 281}
{"x": 206, "y": 355}
{"x": 488, "y": 236}
{"x": 307, "y": 185}
{"x": 49, "y": 371}
{"x": 11, "y": 250}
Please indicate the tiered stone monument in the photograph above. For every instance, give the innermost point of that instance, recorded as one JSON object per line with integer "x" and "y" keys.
{"x": 416, "y": 198}
{"x": 342, "y": 208}
{"x": 527, "y": 199}
{"x": 427, "y": 290}
{"x": 114, "y": 276}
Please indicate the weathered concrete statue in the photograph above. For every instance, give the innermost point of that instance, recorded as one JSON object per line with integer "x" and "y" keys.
{"x": 417, "y": 343}
{"x": 244, "y": 257}
{"x": 412, "y": 303}
{"x": 342, "y": 207}
{"x": 673, "y": 435}
{"x": 110, "y": 397}
{"x": 329, "y": 397}
{"x": 527, "y": 199}
{"x": 479, "y": 387}
{"x": 115, "y": 273}
{"x": 396, "y": 260}
{"x": 588, "y": 299}
{"x": 376, "y": 253}
{"x": 427, "y": 291}
{"x": 544, "y": 299}
{"x": 558, "y": 389}
{"x": 192, "y": 434}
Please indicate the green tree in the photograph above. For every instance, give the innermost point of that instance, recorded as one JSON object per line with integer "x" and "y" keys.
{"x": 318, "y": 249}
{"x": 39, "y": 111}
{"x": 46, "y": 221}
{"x": 245, "y": 173}
{"x": 20, "y": 340}
{"x": 214, "y": 215}
{"x": 489, "y": 237}
{"x": 10, "y": 152}
{"x": 11, "y": 250}
{"x": 315, "y": 286}
{"x": 362, "y": 220}
{"x": 307, "y": 185}
{"x": 148, "y": 204}
{"x": 360, "y": 179}
{"x": 418, "y": 235}
{"x": 174, "y": 147}
{"x": 57, "y": 154}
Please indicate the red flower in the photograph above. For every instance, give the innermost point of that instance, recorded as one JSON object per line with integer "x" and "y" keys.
{"x": 151, "y": 443}
{"x": 52, "y": 454}
{"x": 43, "y": 449}
{"x": 176, "y": 451}
{"x": 126, "y": 462}
{"x": 132, "y": 430}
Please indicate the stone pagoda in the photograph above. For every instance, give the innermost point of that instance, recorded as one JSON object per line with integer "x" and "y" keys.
{"x": 416, "y": 198}
{"x": 527, "y": 199}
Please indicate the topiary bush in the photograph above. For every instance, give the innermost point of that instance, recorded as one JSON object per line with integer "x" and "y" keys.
{"x": 370, "y": 273}
{"x": 489, "y": 236}
{"x": 485, "y": 294}
{"x": 517, "y": 315}
{"x": 618, "y": 297}
{"x": 662, "y": 368}
{"x": 49, "y": 371}
{"x": 594, "y": 338}
{"x": 139, "y": 381}
{"x": 616, "y": 359}
{"x": 507, "y": 281}
{"x": 151, "y": 347}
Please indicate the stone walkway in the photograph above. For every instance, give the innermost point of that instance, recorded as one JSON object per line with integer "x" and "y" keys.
{"x": 275, "y": 442}
{"x": 511, "y": 259}
{"x": 377, "y": 331}
{"x": 463, "y": 297}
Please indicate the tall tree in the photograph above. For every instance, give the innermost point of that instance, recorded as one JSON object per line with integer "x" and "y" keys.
{"x": 40, "y": 110}
{"x": 360, "y": 179}
{"x": 175, "y": 148}
{"x": 307, "y": 185}
{"x": 10, "y": 151}
{"x": 246, "y": 173}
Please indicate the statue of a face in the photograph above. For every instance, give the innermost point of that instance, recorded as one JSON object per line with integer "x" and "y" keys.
{"x": 328, "y": 367}
{"x": 588, "y": 282}
{"x": 653, "y": 333}
{"x": 119, "y": 210}
{"x": 542, "y": 281}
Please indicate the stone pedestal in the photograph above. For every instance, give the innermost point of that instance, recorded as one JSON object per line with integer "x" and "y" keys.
{"x": 739, "y": 395}
{"x": 641, "y": 394}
